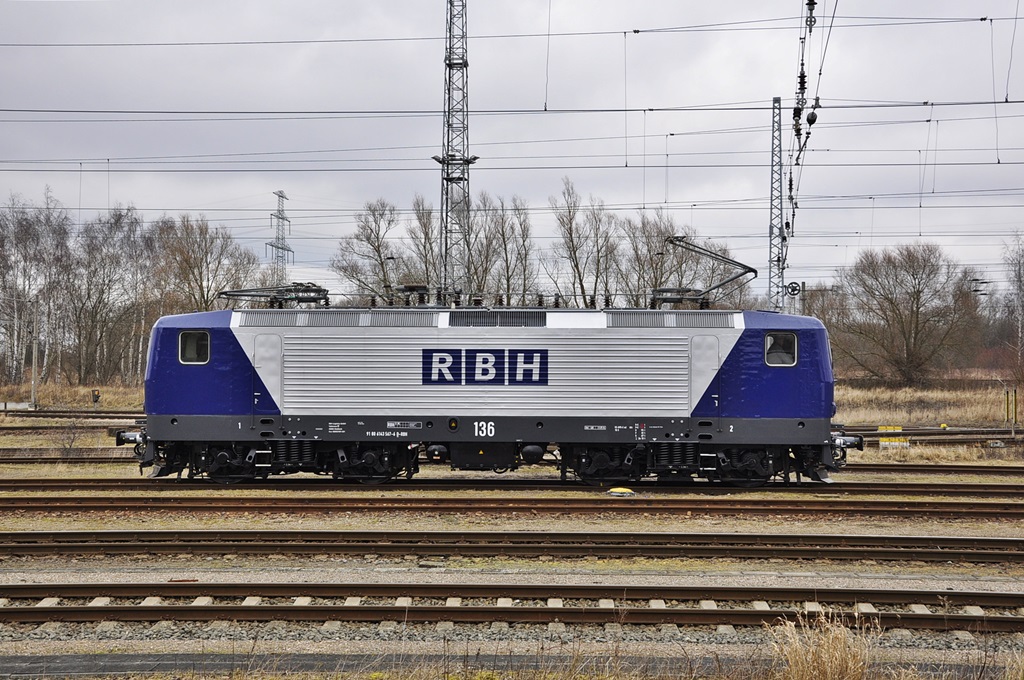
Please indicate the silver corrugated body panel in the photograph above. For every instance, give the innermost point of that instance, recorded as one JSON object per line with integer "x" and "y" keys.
{"x": 335, "y": 318}
{"x": 497, "y": 317}
{"x": 266, "y": 318}
{"x": 620, "y": 372}
{"x": 638, "y": 318}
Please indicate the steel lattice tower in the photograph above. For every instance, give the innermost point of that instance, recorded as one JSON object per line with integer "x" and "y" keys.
{"x": 278, "y": 221}
{"x": 777, "y": 236}
{"x": 455, "y": 159}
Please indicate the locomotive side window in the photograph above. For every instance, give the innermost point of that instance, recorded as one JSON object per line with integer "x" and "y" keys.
{"x": 194, "y": 347}
{"x": 780, "y": 349}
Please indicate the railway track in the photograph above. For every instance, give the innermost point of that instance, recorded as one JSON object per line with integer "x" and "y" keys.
{"x": 941, "y": 610}
{"x": 937, "y": 469}
{"x": 114, "y": 456}
{"x": 326, "y": 484}
{"x": 16, "y": 458}
{"x": 813, "y": 505}
{"x": 519, "y": 543}
{"x": 67, "y": 414}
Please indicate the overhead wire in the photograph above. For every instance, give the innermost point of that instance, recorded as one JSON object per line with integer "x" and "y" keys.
{"x": 737, "y": 107}
{"x": 547, "y": 59}
{"x": 1013, "y": 41}
{"x": 800, "y": 104}
{"x": 797, "y": 142}
{"x": 753, "y": 129}
{"x": 780, "y": 24}
{"x": 995, "y": 109}
{"x": 626, "y": 112}
{"x": 492, "y": 168}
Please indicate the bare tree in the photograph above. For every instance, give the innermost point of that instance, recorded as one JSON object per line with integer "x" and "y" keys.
{"x": 647, "y": 262}
{"x": 423, "y": 261}
{"x": 369, "y": 259}
{"x": 909, "y": 312}
{"x": 199, "y": 262}
{"x": 19, "y": 282}
{"x": 601, "y": 227}
{"x": 481, "y": 245}
{"x": 824, "y": 303}
{"x": 514, "y": 274}
{"x": 97, "y": 301}
{"x": 34, "y": 257}
{"x": 586, "y": 247}
{"x": 1013, "y": 257}
{"x": 568, "y": 253}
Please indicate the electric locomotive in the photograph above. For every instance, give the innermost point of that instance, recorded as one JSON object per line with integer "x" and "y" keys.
{"x": 616, "y": 395}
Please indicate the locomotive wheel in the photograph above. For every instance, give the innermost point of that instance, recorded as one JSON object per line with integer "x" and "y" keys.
{"x": 749, "y": 469}
{"x": 602, "y": 468}
{"x": 375, "y": 466}
{"x": 595, "y": 467}
{"x": 228, "y": 467}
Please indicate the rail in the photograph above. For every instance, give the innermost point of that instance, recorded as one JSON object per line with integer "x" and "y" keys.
{"x": 533, "y": 484}
{"x": 978, "y": 611}
{"x": 520, "y": 543}
{"x": 305, "y": 504}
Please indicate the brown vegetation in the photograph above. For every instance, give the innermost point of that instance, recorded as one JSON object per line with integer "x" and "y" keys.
{"x": 55, "y": 396}
{"x": 923, "y": 407}
{"x": 931, "y": 407}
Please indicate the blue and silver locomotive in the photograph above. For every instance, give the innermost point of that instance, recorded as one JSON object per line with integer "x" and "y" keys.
{"x": 366, "y": 394}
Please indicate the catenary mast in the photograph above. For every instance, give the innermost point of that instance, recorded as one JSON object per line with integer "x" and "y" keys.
{"x": 455, "y": 159}
{"x": 777, "y": 236}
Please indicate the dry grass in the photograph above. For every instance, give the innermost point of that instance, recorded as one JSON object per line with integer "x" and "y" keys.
{"x": 52, "y": 396}
{"x": 921, "y": 453}
{"x": 857, "y": 406}
{"x": 822, "y": 650}
{"x": 922, "y": 407}
{"x": 821, "y": 647}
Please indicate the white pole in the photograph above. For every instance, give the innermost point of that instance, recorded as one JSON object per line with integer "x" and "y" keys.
{"x": 35, "y": 353}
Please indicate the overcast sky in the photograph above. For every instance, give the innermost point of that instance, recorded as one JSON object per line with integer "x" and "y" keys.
{"x": 209, "y": 106}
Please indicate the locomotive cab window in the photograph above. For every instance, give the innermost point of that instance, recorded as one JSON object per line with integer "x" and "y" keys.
{"x": 194, "y": 347}
{"x": 780, "y": 349}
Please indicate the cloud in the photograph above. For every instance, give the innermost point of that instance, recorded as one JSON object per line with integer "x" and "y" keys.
{"x": 210, "y": 107}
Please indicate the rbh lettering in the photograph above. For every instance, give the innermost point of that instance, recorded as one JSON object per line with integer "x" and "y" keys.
{"x": 485, "y": 367}
{"x": 528, "y": 367}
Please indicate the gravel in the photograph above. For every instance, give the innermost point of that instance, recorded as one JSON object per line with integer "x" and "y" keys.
{"x": 469, "y": 639}
{"x": 361, "y": 570}
{"x": 281, "y": 631}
